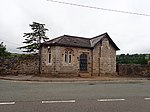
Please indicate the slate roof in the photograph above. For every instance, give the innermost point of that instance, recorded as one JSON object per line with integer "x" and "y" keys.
{"x": 74, "y": 41}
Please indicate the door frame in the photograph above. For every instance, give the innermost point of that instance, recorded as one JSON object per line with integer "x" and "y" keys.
{"x": 83, "y": 62}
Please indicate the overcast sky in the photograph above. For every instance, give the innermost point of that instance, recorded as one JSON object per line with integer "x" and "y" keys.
{"x": 130, "y": 32}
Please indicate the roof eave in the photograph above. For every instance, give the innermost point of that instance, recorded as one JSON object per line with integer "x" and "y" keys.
{"x": 112, "y": 42}
{"x": 63, "y": 45}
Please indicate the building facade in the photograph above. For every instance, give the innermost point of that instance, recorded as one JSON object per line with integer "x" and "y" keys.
{"x": 71, "y": 56}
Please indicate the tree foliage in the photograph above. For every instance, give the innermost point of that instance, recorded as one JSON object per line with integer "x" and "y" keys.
{"x": 34, "y": 38}
{"x": 133, "y": 59}
{"x": 3, "y": 52}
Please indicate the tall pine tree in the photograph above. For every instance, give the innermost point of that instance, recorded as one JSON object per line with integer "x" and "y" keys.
{"x": 34, "y": 39}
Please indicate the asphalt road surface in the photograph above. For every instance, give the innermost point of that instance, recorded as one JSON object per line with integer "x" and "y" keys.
{"x": 18, "y": 96}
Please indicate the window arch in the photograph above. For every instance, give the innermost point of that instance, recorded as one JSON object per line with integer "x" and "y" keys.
{"x": 68, "y": 56}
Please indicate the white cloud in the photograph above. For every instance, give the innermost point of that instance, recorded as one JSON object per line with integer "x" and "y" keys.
{"x": 129, "y": 32}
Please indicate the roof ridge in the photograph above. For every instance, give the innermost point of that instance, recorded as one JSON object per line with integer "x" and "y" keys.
{"x": 53, "y": 39}
{"x": 77, "y": 37}
{"x": 96, "y": 39}
{"x": 75, "y": 41}
{"x": 99, "y": 35}
{"x": 61, "y": 37}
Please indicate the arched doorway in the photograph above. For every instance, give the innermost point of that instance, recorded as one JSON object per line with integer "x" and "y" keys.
{"x": 83, "y": 62}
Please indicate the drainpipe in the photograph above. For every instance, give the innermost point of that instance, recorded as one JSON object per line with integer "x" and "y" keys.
{"x": 92, "y": 62}
{"x": 40, "y": 60}
{"x": 99, "y": 60}
{"x": 39, "y": 43}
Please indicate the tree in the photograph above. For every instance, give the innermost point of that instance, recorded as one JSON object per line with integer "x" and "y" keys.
{"x": 3, "y": 52}
{"x": 132, "y": 59}
{"x": 33, "y": 39}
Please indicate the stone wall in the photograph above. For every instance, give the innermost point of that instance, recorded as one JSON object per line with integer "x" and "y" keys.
{"x": 96, "y": 60}
{"x": 107, "y": 58}
{"x": 19, "y": 65}
{"x": 135, "y": 70}
{"x": 29, "y": 65}
{"x": 58, "y": 66}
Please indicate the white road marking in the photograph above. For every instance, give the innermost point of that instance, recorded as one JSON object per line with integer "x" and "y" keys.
{"x": 147, "y": 98}
{"x": 7, "y": 103}
{"x": 109, "y": 100}
{"x": 61, "y": 101}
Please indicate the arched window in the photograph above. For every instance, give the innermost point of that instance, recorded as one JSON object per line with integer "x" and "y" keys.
{"x": 68, "y": 56}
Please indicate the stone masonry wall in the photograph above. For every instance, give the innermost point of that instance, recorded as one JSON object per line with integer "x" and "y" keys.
{"x": 19, "y": 65}
{"x": 58, "y": 67}
{"x": 135, "y": 70}
{"x": 96, "y": 60}
{"x": 29, "y": 65}
{"x": 47, "y": 68}
{"x": 104, "y": 59}
{"x": 107, "y": 58}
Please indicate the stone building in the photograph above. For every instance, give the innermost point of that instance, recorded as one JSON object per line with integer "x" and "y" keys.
{"x": 77, "y": 56}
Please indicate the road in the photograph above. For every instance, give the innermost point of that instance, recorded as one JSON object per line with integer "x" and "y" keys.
{"x": 17, "y": 96}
